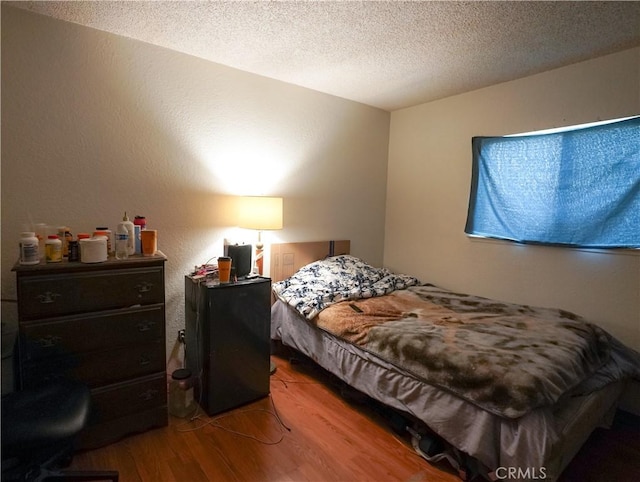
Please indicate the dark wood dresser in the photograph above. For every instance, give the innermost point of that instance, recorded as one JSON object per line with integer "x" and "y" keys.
{"x": 103, "y": 324}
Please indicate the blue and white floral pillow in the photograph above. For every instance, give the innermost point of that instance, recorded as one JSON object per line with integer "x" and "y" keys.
{"x": 323, "y": 283}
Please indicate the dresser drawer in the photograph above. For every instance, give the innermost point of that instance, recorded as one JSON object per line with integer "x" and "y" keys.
{"x": 91, "y": 332}
{"x": 58, "y": 294}
{"x": 122, "y": 399}
{"x": 125, "y": 408}
{"x": 98, "y": 368}
{"x": 102, "y": 324}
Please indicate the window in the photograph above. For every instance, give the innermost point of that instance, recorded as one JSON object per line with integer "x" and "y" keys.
{"x": 575, "y": 187}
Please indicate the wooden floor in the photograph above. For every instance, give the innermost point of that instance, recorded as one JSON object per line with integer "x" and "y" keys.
{"x": 307, "y": 430}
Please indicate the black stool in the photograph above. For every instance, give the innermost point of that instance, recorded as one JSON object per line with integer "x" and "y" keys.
{"x": 39, "y": 428}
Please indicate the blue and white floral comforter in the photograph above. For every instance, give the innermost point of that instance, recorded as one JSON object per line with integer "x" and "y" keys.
{"x": 323, "y": 283}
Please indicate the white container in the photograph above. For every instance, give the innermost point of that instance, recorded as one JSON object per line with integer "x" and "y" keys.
{"x": 109, "y": 235}
{"x": 53, "y": 249}
{"x": 122, "y": 241}
{"x": 93, "y": 250}
{"x": 131, "y": 242}
{"x": 42, "y": 230}
{"x": 29, "y": 248}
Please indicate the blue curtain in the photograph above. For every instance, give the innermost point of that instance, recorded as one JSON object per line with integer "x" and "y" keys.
{"x": 579, "y": 187}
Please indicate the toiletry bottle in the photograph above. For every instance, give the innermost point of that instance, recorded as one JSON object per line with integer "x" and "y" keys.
{"x": 29, "y": 248}
{"x": 53, "y": 249}
{"x": 74, "y": 251}
{"x": 122, "y": 241}
{"x": 105, "y": 231}
{"x": 140, "y": 221}
{"x": 131, "y": 242}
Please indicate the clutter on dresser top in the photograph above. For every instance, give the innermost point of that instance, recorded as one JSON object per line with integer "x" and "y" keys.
{"x": 45, "y": 243}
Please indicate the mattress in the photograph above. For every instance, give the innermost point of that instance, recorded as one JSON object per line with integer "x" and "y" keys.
{"x": 542, "y": 442}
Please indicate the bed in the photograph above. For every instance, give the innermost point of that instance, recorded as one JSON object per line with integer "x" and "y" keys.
{"x": 522, "y": 392}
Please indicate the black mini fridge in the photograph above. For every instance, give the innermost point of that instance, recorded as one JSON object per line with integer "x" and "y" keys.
{"x": 227, "y": 348}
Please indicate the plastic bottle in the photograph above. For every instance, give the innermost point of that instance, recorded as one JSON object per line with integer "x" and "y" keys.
{"x": 64, "y": 233}
{"x": 122, "y": 241}
{"x": 29, "y": 248}
{"x": 53, "y": 249}
{"x": 140, "y": 221}
{"x": 80, "y": 237}
{"x": 41, "y": 233}
{"x": 131, "y": 242}
{"x": 105, "y": 231}
{"x": 68, "y": 237}
{"x": 74, "y": 251}
{"x": 139, "y": 224}
{"x": 137, "y": 239}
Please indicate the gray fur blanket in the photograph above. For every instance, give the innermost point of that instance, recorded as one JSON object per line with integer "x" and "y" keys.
{"x": 506, "y": 358}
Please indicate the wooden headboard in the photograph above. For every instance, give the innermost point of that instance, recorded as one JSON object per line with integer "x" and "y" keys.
{"x": 287, "y": 258}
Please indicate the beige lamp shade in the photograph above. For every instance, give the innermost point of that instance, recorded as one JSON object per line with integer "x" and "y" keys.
{"x": 260, "y": 213}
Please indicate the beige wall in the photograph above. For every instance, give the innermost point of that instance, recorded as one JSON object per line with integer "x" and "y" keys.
{"x": 94, "y": 124}
{"x": 428, "y": 192}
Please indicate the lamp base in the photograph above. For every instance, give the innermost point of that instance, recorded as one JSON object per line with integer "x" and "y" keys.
{"x": 259, "y": 256}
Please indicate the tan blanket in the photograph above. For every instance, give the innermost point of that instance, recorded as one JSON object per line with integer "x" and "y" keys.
{"x": 505, "y": 358}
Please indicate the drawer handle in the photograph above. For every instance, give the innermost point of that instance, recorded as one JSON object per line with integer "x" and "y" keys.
{"x": 144, "y": 287}
{"x": 48, "y": 297}
{"x": 49, "y": 341}
{"x": 145, "y": 325}
{"x": 53, "y": 377}
{"x": 144, "y": 360}
{"x": 148, "y": 395}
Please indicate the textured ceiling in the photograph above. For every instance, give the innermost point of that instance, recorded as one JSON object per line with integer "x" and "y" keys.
{"x": 386, "y": 54}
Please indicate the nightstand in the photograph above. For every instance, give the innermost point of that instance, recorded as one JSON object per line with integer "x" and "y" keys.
{"x": 227, "y": 341}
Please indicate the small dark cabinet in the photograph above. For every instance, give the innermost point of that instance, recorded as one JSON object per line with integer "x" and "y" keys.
{"x": 227, "y": 341}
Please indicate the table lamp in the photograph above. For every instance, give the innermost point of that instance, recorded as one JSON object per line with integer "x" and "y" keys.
{"x": 260, "y": 214}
